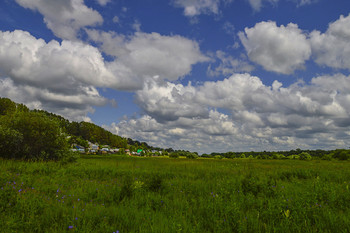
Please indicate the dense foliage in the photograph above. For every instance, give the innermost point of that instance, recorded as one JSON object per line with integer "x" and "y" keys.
{"x": 31, "y": 135}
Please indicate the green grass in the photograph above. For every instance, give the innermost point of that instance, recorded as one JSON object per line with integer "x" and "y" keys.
{"x": 110, "y": 194}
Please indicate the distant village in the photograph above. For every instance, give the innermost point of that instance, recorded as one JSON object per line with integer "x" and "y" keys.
{"x": 94, "y": 148}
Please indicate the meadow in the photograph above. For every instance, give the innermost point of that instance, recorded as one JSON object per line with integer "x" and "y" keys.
{"x": 128, "y": 194}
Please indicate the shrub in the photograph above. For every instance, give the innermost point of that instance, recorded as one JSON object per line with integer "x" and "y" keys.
{"x": 305, "y": 156}
{"x": 174, "y": 155}
{"x": 191, "y": 155}
{"x": 327, "y": 157}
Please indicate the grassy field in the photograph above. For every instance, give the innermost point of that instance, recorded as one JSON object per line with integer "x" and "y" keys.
{"x": 124, "y": 194}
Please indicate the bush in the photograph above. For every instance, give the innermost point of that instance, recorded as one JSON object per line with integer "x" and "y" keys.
{"x": 305, "y": 156}
{"x": 327, "y": 157}
{"x": 191, "y": 155}
{"x": 174, "y": 155}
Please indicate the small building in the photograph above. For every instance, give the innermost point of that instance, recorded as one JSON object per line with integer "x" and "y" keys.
{"x": 93, "y": 146}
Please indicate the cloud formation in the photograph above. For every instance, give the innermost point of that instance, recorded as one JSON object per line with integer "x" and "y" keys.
{"x": 282, "y": 49}
{"x": 332, "y": 48}
{"x": 258, "y": 116}
{"x": 68, "y": 69}
{"x": 148, "y": 55}
{"x": 67, "y": 73}
{"x": 65, "y": 18}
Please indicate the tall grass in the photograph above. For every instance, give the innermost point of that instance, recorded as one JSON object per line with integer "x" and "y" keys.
{"x": 124, "y": 194}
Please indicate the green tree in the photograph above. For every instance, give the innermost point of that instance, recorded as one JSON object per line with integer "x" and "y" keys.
{"x": 42, "y": 136}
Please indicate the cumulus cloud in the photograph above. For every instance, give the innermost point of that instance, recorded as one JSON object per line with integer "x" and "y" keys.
{"x": 52, "y": 75}
{"x": 69, "y": 69}
{"x": 53, "y": 65}
{"x": 257, "y": 116}
{"x": 169, "y": 102}
{"x": 332, "y": 48}
{"x": 74, "y": 106}
{"x": 145, "y": 55}
{"x": 281, "y": 49}
{"x": 65, "y": 18}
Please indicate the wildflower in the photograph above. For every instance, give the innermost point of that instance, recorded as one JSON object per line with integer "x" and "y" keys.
{"x": 287, "y": 213}
{"x": 70, "y": 227}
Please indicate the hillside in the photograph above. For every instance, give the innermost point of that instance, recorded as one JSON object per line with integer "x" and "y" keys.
{"x": 22, "y": 129}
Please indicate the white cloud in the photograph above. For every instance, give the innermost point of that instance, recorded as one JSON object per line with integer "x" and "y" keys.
{"x": 169, "y": 102}
{"x": 149, "y": 55}
{"x": 69, "y": 72}
{"x": 61, "y": 77}
{"x": 258, "y": 4}
{"x": 65, "y": 18}
{"x": 73, "y": 106}
{"x": 332, "y": 48}
{"x": 103, "y": 2}
{"x": 196, "y": 7}
{"x": 281, "y": 49}
{"x": 51, "y": 65}
{"x": 258, "y": 117}
{"x": 306, "y": 2}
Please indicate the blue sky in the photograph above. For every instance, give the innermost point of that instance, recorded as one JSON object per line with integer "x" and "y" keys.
{"x": 200, "y": 75}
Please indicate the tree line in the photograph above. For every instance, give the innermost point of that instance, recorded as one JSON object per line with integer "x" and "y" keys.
{"x": 339, "y": 154}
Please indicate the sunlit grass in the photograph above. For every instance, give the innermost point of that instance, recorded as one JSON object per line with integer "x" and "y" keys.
{"x": 110, "y": 194}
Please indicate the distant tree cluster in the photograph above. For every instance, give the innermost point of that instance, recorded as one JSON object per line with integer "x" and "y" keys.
{"x": 339, "y": 154}
{"x": 183, "y": 153}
